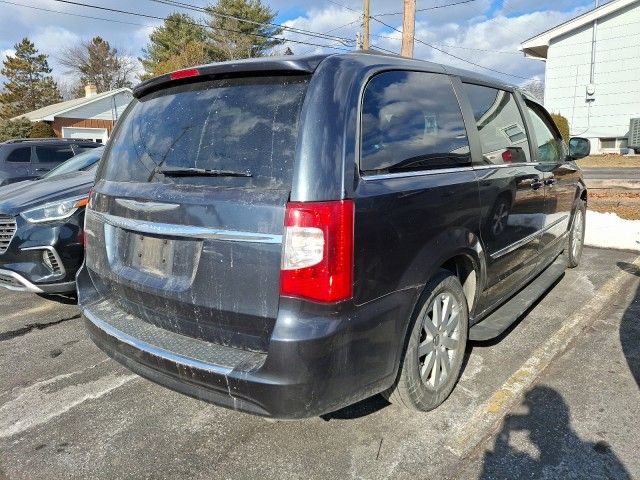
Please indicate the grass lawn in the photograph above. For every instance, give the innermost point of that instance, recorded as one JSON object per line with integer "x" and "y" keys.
{"x": 610, "y": 161}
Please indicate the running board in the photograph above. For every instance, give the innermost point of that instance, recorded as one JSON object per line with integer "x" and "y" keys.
{"x": 503, "y": 317}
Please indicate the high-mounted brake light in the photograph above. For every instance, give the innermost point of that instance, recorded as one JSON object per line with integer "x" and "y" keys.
{"x": 317, "y": 259}
{"x": 189, "y": 72}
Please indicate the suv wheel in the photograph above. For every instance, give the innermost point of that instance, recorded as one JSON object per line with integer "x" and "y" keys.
{"x": 437, "y": 342}
{"x": 573, "y": 250}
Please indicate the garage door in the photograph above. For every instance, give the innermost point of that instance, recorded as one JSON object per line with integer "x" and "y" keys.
{"x": 96, "y": 134}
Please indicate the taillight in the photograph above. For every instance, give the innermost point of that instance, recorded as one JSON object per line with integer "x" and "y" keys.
{"x": 317, "y": 258}
{"x": 190, "y": 72}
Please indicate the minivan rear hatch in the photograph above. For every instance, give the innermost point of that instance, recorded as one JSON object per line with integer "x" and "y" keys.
{"x": 186, "y": 222}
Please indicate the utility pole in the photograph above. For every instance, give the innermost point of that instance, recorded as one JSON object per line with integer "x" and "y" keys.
{"x": 408, "y": 28}
{"x": 365, "y": 24}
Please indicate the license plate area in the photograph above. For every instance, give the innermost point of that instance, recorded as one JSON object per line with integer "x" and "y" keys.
{"x": 152, "y": 255}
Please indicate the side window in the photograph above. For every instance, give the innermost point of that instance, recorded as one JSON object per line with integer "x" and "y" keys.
{"x": 500, "y": 125}
{"x": 550, "y": 145}
{"x": 53, "y": 153}
{"x": 412, "y": 121}
{"x": 20, "y": 155}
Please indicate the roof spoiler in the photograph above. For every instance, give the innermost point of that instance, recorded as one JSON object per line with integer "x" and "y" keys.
{"x": 291, "y": 64}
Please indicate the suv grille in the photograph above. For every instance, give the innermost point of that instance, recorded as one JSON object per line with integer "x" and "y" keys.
{"x": 7, "y": 231}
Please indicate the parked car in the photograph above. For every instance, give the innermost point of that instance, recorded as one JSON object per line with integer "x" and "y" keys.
{"x": 288, "y": 236}
{"x": 41, "y": 227}
{"x": 26, "y": 159}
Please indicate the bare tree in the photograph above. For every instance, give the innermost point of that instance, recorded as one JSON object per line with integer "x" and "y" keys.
{"x": 96, "y": 62}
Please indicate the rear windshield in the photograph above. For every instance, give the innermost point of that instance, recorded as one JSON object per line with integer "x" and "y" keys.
{"x": 244, "y": 125}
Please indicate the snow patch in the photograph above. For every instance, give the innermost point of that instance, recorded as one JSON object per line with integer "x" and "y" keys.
{"x": 608, "y": 230}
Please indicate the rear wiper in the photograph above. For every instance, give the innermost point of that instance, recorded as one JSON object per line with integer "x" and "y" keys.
{"x": 202, "y": 172}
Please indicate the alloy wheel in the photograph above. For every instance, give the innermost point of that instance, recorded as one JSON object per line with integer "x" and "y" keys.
{"x": 439, "y": 340}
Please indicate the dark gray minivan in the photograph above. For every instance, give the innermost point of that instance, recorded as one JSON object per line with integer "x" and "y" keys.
{"x": 287, "y": 236}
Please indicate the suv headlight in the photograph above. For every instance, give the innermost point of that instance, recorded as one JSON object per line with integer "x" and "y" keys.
{"x": 55, "y": 210}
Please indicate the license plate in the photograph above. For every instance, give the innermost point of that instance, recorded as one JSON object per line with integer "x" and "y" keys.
{"x": 152, "y": 255}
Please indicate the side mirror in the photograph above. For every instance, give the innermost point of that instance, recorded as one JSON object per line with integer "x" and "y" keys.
{"x": 579, "y": 148}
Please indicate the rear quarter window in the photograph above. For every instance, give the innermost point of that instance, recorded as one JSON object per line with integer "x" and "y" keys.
{"x": 412, "y": 121}
{"x": 236, "y": 124}
{"x": 19, "y": 155}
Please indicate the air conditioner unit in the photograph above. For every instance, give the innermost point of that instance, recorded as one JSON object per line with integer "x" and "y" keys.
{"x": 634, "y": 134}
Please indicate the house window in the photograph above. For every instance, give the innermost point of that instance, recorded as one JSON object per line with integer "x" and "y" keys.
{"x": 607, "y": 143}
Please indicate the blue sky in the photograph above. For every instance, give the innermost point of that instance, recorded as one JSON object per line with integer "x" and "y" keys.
{"x": 486, "y": 32}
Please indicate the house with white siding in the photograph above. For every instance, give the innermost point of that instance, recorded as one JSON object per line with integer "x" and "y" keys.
{"x": 592, "y": 73}
{"x": 91, "y": 117}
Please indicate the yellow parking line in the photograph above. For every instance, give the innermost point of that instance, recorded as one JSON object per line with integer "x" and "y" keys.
{"x": 31, "y": 311}
{"x": 487, "y": 417}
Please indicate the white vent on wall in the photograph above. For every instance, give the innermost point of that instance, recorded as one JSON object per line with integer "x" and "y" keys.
{"x": 634, "y": 133}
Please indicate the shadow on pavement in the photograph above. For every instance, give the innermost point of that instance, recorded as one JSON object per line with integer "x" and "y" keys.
{"x": 630, "y": 335}
{"x": 629, "y": 268}
{"x": 560, "y": 452}
{"x": 357, "y": 410}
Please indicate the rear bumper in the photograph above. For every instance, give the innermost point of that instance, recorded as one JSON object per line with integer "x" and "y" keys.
{"x": 314, "y": 364}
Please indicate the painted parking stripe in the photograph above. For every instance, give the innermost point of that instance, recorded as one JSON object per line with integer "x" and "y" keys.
{"x": 487, "y": 418}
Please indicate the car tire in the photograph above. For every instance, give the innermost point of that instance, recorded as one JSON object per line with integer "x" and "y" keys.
{"x": 575, "y": 242}
{"x": 437, "y": 339}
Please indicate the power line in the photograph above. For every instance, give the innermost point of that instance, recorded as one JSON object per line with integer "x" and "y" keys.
{"x": 344, "y": 6}
{"x": 425, "y": 9}
{"x": 453, "y": 55}
{"x": 188, "y": 6}
{"x": 504, "y": 52}
{"x": 155, "y": 17}
{"x": 75, "y": 14}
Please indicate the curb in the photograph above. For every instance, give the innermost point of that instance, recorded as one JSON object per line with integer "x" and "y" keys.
{"x": 487, "y": 418}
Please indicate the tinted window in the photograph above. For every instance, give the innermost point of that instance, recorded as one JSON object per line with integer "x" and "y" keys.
{"x": 500, "y": 125}
{"x": 550, "y": 145}
{"x": 412, "y": 121}
{"x": 21, "y": 155}
{"x": 82, "y": 161}
{"x": 240, "y": 125}
{"x": 53, "y": 153}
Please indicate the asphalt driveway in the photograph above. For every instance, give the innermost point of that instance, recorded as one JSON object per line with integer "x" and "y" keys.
{"x": 67, "y": 411}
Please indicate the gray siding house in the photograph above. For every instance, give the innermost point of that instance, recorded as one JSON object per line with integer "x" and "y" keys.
{"x": 592, "y": 74}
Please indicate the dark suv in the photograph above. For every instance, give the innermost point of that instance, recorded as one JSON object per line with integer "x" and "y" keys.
{"x": 26, "y": 159}
{"x": 289, "y": 236}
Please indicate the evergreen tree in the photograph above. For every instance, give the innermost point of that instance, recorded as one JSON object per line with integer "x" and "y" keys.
{"x": 10, "y": 129}
{"x": 168, "y": 44}
{"x": 229, "y": 38}
{"x": 28, "y": 85}
{"x": 193, "y": 53}
{"x": 97, "y": 62}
